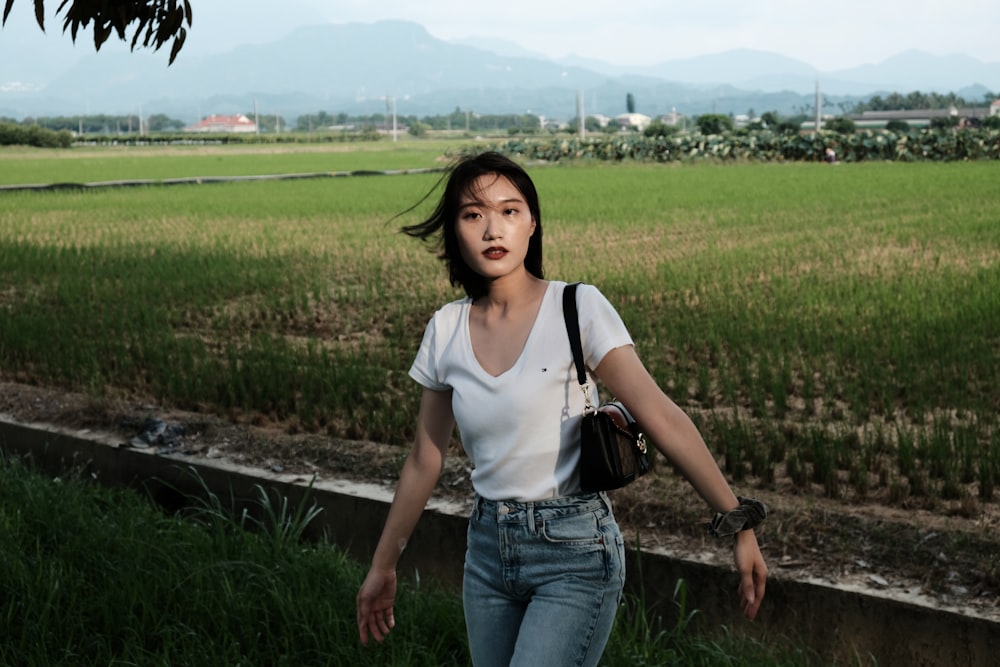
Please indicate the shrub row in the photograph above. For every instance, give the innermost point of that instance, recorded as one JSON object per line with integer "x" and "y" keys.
{"x": 32, "y": 135}
{"x": 767, "y": 146}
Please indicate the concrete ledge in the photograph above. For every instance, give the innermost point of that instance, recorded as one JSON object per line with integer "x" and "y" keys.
{"x": 842, "y": 625}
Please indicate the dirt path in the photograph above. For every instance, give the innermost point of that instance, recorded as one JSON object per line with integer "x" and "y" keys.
{"x": 946, "y": 555}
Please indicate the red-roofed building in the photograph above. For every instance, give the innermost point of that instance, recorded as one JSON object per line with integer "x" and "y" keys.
{"x": 217, "y": 123}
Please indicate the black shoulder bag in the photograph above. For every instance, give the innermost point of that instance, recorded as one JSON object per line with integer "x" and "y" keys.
{"x": 612, "y": 448}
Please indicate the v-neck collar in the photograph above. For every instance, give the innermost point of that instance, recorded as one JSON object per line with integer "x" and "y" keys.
{"x": 527, "y": 341}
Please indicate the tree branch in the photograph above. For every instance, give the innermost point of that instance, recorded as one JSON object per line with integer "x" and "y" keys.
{"x": 156, "y": 22}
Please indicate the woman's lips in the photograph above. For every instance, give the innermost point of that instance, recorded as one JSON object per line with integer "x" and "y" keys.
{"x": 495, "y": 253}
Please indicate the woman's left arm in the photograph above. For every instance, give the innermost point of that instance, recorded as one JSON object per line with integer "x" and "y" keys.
{"x": 676, "y": 437}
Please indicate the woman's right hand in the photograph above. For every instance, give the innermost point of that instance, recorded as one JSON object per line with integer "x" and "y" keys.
{"x": 417, "y": 479}
{"x": 374, "y": 603}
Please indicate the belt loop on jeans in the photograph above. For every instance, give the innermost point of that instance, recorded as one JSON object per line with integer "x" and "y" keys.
{"x": 477, "y": 507}
{"x": 530, "y": 509}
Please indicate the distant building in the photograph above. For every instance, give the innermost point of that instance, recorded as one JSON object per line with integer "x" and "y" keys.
{"x": 223, "y": 124}
{"x": 921, "y": 117}
{"x": 601, "y": 119}
{"x": 637, "y": 120}
{"x": 673, "y": 118}
{"x": 995, "y": 108}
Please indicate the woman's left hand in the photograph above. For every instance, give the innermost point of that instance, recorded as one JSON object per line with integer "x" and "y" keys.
{"x": 753, "y": 572}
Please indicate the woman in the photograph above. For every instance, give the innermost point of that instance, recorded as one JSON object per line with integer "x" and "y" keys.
{"x": 544, "y": 564}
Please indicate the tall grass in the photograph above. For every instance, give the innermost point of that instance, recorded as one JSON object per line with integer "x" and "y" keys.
{"x": 815, "y": 316}
{"x": 92, "y": 576}
{"x": 99, "y": 577}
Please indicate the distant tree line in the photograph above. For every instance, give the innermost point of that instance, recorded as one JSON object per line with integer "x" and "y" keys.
{"x": 49, "y": 131}
{"x": 473, "y": 122}
{"x": 108, "y": 124}
{"x": 373, "y": 126}
{"x": 461, "y": 120}
{"x": 111, "y": 124}
{"x": 769, "y": 120}
{"x": 917, "y": 100}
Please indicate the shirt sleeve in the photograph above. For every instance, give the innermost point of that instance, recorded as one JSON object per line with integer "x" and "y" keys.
{"x": 601, "y": 327}
{"x": 425, "y": 366}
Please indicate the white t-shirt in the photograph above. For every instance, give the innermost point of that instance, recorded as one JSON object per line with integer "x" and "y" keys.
{"x": 521, "y": 429}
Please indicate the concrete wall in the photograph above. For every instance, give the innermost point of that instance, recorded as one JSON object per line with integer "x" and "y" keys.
{"x": 845, "y": 626}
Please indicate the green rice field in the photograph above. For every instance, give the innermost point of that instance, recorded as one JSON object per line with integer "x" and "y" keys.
{"x": 839, "y": 325}
{"x": 20, "y": 165}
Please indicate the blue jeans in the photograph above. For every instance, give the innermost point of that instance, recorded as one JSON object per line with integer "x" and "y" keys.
{"x": 543, "y": 581}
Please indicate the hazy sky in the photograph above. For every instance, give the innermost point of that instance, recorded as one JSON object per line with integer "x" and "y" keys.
{"x": 827, "y": 35}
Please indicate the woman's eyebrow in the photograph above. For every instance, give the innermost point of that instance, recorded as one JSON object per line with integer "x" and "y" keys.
{"x": 480, "y": 202}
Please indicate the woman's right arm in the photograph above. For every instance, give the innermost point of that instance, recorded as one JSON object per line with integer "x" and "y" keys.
{"x": 435, "y": 423}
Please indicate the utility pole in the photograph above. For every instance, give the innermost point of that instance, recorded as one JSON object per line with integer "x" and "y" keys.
{"x": 819, "y": 113}
{"x": 581, "y": 130}
{"x": 394, "y": 120}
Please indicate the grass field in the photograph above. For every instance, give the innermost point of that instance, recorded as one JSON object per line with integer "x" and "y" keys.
{"x": 20, "y": 165}
{"x": 841, "y": 324}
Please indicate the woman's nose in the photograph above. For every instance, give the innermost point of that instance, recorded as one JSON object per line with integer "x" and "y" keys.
{"x": 492, "y": 231}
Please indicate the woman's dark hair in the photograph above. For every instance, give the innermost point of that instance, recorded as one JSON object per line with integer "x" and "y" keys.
{"x": 460, "y": 179}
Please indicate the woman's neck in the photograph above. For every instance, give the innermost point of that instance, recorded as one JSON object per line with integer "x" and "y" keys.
{"x": 512, "y": 291}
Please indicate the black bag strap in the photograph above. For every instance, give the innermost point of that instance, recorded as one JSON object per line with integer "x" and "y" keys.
{"x": 573, "y": 329}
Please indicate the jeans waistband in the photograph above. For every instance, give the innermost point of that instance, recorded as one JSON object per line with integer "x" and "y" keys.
{"x": 575, "y": 504}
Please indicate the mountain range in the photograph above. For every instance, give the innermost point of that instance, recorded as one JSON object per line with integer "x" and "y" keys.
{"x": 356, "y": 67}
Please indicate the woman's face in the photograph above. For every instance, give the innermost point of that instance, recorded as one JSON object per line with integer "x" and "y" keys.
{"x": 494, "y": 227}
